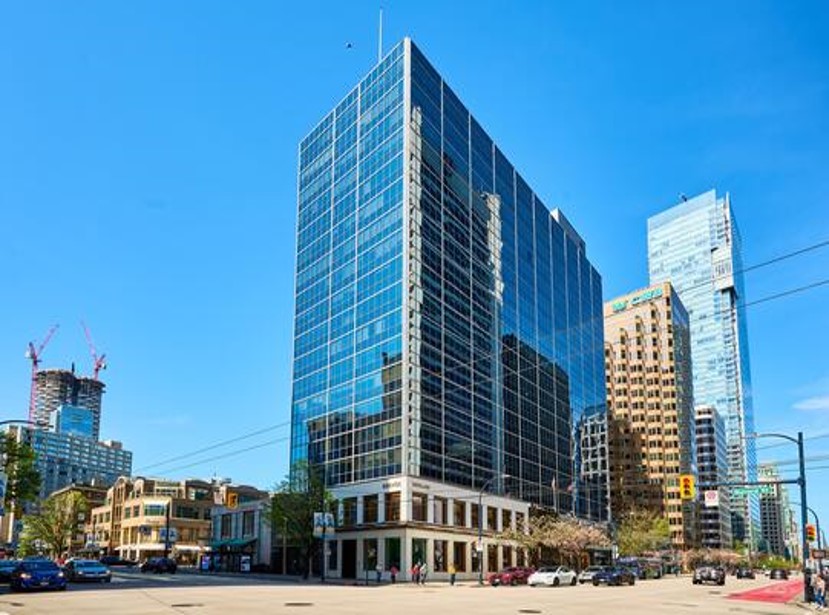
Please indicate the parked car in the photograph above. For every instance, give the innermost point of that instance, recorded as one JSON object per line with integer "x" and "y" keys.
{"x": 115, "y": 560}
{"x": 586, "y": 575}
{"x": 709, "y": 574}
{"x": 614, "y": 575}
{"x": 745, "y": 573}
{"x": 779, "y": 574}
{"x": 159, "y": 565}
{"x": 514, "y": 575}
{"x": 37, "y": 574}
{"x": 552, "y": 575}
{"x": 7, "y": 566}
{"x": 87, "y": 570}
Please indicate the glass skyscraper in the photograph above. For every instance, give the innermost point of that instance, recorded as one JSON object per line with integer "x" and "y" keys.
{"x": 696, "y": 246}
{"x": 448, "y": 325}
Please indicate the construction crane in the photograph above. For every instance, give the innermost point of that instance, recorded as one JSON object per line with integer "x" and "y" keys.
{"x": 98, "y": 363}
{"x": 34, "y": 354}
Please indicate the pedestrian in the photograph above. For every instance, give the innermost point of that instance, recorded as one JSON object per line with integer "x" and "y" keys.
{"x": 819, "y": 584}
{"x": 379, "y": 570}
{"x": 424, "y": 570}
{"x": 416, "y": 573}
{"x": 452, "y": 572}
{"x": 393, "y": 573}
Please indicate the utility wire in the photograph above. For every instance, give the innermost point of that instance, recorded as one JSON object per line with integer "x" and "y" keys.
{"x": 534, "y": 367}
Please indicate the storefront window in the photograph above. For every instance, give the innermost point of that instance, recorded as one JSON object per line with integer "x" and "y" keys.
{"x": 349, "y": 512}
{"x": 460, "y": 556}
{"x": 369, "y": 554}
{"x": 492, "y": 558}
{"x": 370, "y": 509}
{"x": 418, "y": 550}
{"x": 441, "y": 549}
{"x": 392, "y": 553}
{"x": 333, "y": 546}
{"x": 393, "y": 506}
{"x": 459, "y": 513}
{"x": 419, "y": 504}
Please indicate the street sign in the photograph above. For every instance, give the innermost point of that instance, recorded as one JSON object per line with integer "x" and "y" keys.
{"x": 232, "y": 500}
{"x": 163, "y": 535}
{"x": 753, "y": 489}
{"x": 712, "y": 498}
{"x": 818, "y": 553}
{"x": 322, "y": 523}
{"x": 687, "y": 489}
{"x": 479, "y": 546}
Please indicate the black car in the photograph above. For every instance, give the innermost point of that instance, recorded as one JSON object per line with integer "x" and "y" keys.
{"x": 614, "y": 575}
{"x": 745, "y": 573}
{"x": 37, "y": 574}
{"x": 159, "y": 565}
{"x": 779, "y": 573}
{"x": 709, "y": 574}
{"x": 114, "y": 560}
{"x": 87, "y": 570}
{"x": 7, "y": 566}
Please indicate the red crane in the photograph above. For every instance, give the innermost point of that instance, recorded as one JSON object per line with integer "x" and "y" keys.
{"x": 34, "y": 354}
{"x": 98, "y": 363}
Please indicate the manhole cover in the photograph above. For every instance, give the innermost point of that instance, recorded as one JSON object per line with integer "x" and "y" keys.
{"x": 299, "y": 604}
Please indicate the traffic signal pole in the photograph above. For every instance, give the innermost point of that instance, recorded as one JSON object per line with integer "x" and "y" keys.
{"x": 804, "y": 515}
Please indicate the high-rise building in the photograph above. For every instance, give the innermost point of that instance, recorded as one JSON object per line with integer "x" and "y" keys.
{"x": 64, "y": 459}
{"x": 696, "y": 246}
{"x": 650, "y": 406}
{"x": 55, "y": 387}
{"x": 712, "y": 469}
{"x": 448, "y": 332}
{"x": 775, "y": 522}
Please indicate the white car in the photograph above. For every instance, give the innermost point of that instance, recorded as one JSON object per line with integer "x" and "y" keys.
{"x": 587, "y": 574}
{"x": 552, "y": 575}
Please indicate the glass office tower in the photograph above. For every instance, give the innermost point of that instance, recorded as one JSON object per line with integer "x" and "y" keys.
{"x": 448, "y": 324}
{"x": 696, "y": 245}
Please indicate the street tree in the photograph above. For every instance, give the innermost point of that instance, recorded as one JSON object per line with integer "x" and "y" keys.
{"x": 292, "y": 508}
{"x": 641, "y": 531}
{"x": 23, "y": 479}
{"x": 53, "y": 526}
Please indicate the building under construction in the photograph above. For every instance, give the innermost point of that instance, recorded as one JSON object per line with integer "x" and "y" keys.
{"x": 56, "y": 387}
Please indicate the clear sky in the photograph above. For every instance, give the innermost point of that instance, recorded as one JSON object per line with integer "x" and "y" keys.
{"x": 147, "y": 182}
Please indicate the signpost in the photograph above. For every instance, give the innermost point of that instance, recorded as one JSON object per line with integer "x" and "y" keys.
{"x": 818, "y": 553}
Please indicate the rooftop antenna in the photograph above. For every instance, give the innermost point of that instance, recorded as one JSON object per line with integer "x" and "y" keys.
{"x": 380, "y": 38}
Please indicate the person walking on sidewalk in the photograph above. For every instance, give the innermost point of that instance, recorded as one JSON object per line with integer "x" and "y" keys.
{"x": 424, "y": 570}
{"x": 393, "y": 573}
{"x": 452, "y": 572}
{"x": 416, "y": 573}
{"x": 819, "y": 585}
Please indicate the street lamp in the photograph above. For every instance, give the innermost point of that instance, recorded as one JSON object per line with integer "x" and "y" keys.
{"x": 804, "y": 517}
{"x": 480, "y": 545}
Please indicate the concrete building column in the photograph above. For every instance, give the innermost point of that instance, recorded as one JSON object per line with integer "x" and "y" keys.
{"x": 430, "y": 508}
{"x": 381, "y": 507}
{"x": 450, "y": 511}
{"x": 360, "y": 510}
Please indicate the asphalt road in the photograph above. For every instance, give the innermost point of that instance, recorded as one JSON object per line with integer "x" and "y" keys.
{"x": 133, "y": 594}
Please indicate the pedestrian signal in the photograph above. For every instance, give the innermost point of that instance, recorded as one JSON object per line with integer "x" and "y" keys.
{"x": 232, "y": 500}
{"x": 687, "y": 490}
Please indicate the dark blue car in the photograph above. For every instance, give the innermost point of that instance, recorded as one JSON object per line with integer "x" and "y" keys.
{"x": 611, "y": 575}
{"x": 37, "y": 574}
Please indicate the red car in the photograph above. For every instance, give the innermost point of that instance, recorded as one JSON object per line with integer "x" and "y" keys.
{"x": 514, "y": 575}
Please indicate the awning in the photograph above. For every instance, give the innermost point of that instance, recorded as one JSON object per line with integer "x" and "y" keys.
{"x": 143, "y": 546}
{"x": 232, "y": 543}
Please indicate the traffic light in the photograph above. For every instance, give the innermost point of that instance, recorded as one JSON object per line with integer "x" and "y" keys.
{"x": 687, "y": 489}
{"x": 232, "y": 500}
{"x": 811, "y": 533}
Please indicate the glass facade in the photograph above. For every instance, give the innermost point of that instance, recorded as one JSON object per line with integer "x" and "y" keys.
{"x": 696, "y": 246}
{"x": 448, "y": 325}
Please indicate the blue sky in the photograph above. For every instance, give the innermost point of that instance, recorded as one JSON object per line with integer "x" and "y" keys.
{"x": 147, "y": 182}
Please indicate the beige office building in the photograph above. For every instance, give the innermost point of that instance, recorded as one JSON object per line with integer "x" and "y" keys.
{"x": 650, "y": 406}
{"x": 139, "y": 515}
